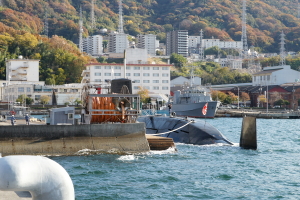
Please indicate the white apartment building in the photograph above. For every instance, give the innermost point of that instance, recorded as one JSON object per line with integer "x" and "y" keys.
{"x": 154, "y": 77}
{"x": 22, "y": 69}
{"x": 208, "y": 43}
{"x": 177, "y": 42}
{"x": 276, "y": 75}
{"x": 147, "y": 42}
{"x": 136, "y": 56}
{"x": 117, "y": 43}
{"x": 194, "y": 44}
{"x": 93, "y": 45}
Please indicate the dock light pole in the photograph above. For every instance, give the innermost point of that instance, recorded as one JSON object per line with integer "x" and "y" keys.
{"x": 238, "y": 98}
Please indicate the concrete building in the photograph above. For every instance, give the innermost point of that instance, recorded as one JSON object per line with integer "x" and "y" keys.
{"x": 117, "y": 43}
{"x": 93, "y": 45}
{"x": 180, "y": 81}
{"x": 136, "y": 56}
{"x": 66, "y": 93}
{"x": 22, "y": 69}
{"x": 276, "y": 75}
{"x": 194, "y": 44}
{"x": 147, "y": 42}
{"x": 177, "y": 42}
{"x": 154, "y": 77}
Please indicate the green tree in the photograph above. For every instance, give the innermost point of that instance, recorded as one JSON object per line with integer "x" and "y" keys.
{"x": 44, "y": 99}
{"x": 60, "y": 77}
{"x": 178, "y": 60}
{"x": 144, "y": 94}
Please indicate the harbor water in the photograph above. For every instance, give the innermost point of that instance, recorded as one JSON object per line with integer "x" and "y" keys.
{"x": 198, "y": 172}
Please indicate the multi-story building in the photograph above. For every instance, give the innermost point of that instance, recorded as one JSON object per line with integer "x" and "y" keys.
{"x": 177, "y": 42}
{"x": 154, "y": 77}
{"x": 276, "y": 75}
{"x": 93, "y": 45}
{"x": 22, "y": 69}
{"x": 117, "y": 43}
{"x": 194, "y": 44}
{"x": 147, "y": 42}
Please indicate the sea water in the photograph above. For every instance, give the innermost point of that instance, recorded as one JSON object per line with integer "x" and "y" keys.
{"x": 198, "y": 172}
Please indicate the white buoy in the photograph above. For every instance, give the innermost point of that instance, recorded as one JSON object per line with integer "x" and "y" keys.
{"x": 44, "y": 178}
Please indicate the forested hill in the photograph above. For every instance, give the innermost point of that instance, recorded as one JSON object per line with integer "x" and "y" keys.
{"x": 218, "y": 18}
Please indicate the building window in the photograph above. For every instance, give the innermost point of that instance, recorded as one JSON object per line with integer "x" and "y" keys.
{"x": 28, "y": 89}
{"x": 146, "y": 74}
{"x": 155, "y": 68}
{"x": 107, "y": 67}
{"x": 136, "y": 87}
{"x": 127, "y": 74}
{"x": 136, "y": 74}
{"x": 136, "y": 68}
{"x": 97, "y": 80}
{"x": 107, "y": 74}
{"x": 146, "y": 81}
{"x": 97, "y": 74}
{"x": 155, "y": 74}
{"x": 117, "y": 74}
{"x": 165, "y": 88}
{"x": 155, "y": 81}
{"x": 155, "y": 88}
{"x": 97, "y": 67}
{"x": 147, "y": 87}
{"x": 165, "y": 68}
{"x": 165, "y": 81}
{"x": 137, "y": 81}
{"x": 117, "y": 67}
{"x": 70, "y": 116}
{"x": 146, "y": 68}
{"x": 20, "y": 89}
{"x": 127, "y": 67}
{"x": 165, "y": 75}
{"x": 37, "y": 97}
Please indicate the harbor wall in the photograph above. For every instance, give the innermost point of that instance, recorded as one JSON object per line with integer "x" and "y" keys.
{"x": 72, "y": 139}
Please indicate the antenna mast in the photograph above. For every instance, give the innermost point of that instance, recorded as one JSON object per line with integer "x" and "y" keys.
{"x": 244, "y": 30}
{"x": 120, "y": 28}
{"x": 46, "y": 25}
{"x": 93, "y": 20}
{"x": 80, "y": 30}
{"x": 201, "y": 53}
{"x": 282, "y": 49}
{"x": 298, "y": 9}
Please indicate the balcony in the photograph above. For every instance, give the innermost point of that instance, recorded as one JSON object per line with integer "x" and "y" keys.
{"x": 85, "y": 72}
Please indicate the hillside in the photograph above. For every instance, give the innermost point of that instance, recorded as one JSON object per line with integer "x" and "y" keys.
{"x": 218, "y": 18}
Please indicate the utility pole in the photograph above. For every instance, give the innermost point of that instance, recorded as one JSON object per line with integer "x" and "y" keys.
{"x": 244, "y": 30}
{"x": 93, "y": 20}
{"x": 80, "y": 30}
{"x": 46, "y": 25}
{"x": 201, "y": 53}
{"x": 282, "y": 49}
{"x": 298, "y": 10}
{"x": 120, "y": 28}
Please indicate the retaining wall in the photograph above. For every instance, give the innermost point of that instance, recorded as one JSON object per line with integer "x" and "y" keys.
{"x": 70, "y": 139}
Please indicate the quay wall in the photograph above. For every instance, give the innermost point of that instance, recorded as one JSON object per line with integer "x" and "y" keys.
{"x": 71, "y": 139}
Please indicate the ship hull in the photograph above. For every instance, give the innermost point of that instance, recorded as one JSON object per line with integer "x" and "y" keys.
{"x": 195, "y": 109}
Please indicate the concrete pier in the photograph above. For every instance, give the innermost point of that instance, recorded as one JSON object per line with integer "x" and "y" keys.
{"x": 70, "y": 139}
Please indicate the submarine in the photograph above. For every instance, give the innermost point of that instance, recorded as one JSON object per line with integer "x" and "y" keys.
{"x": 188, "y": 131}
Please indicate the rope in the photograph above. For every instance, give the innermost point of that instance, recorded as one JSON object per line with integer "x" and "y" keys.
{"x": 191, "y": 121}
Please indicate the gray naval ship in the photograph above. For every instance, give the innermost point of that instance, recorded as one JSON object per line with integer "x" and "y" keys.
{"x": 194, "y": 102}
